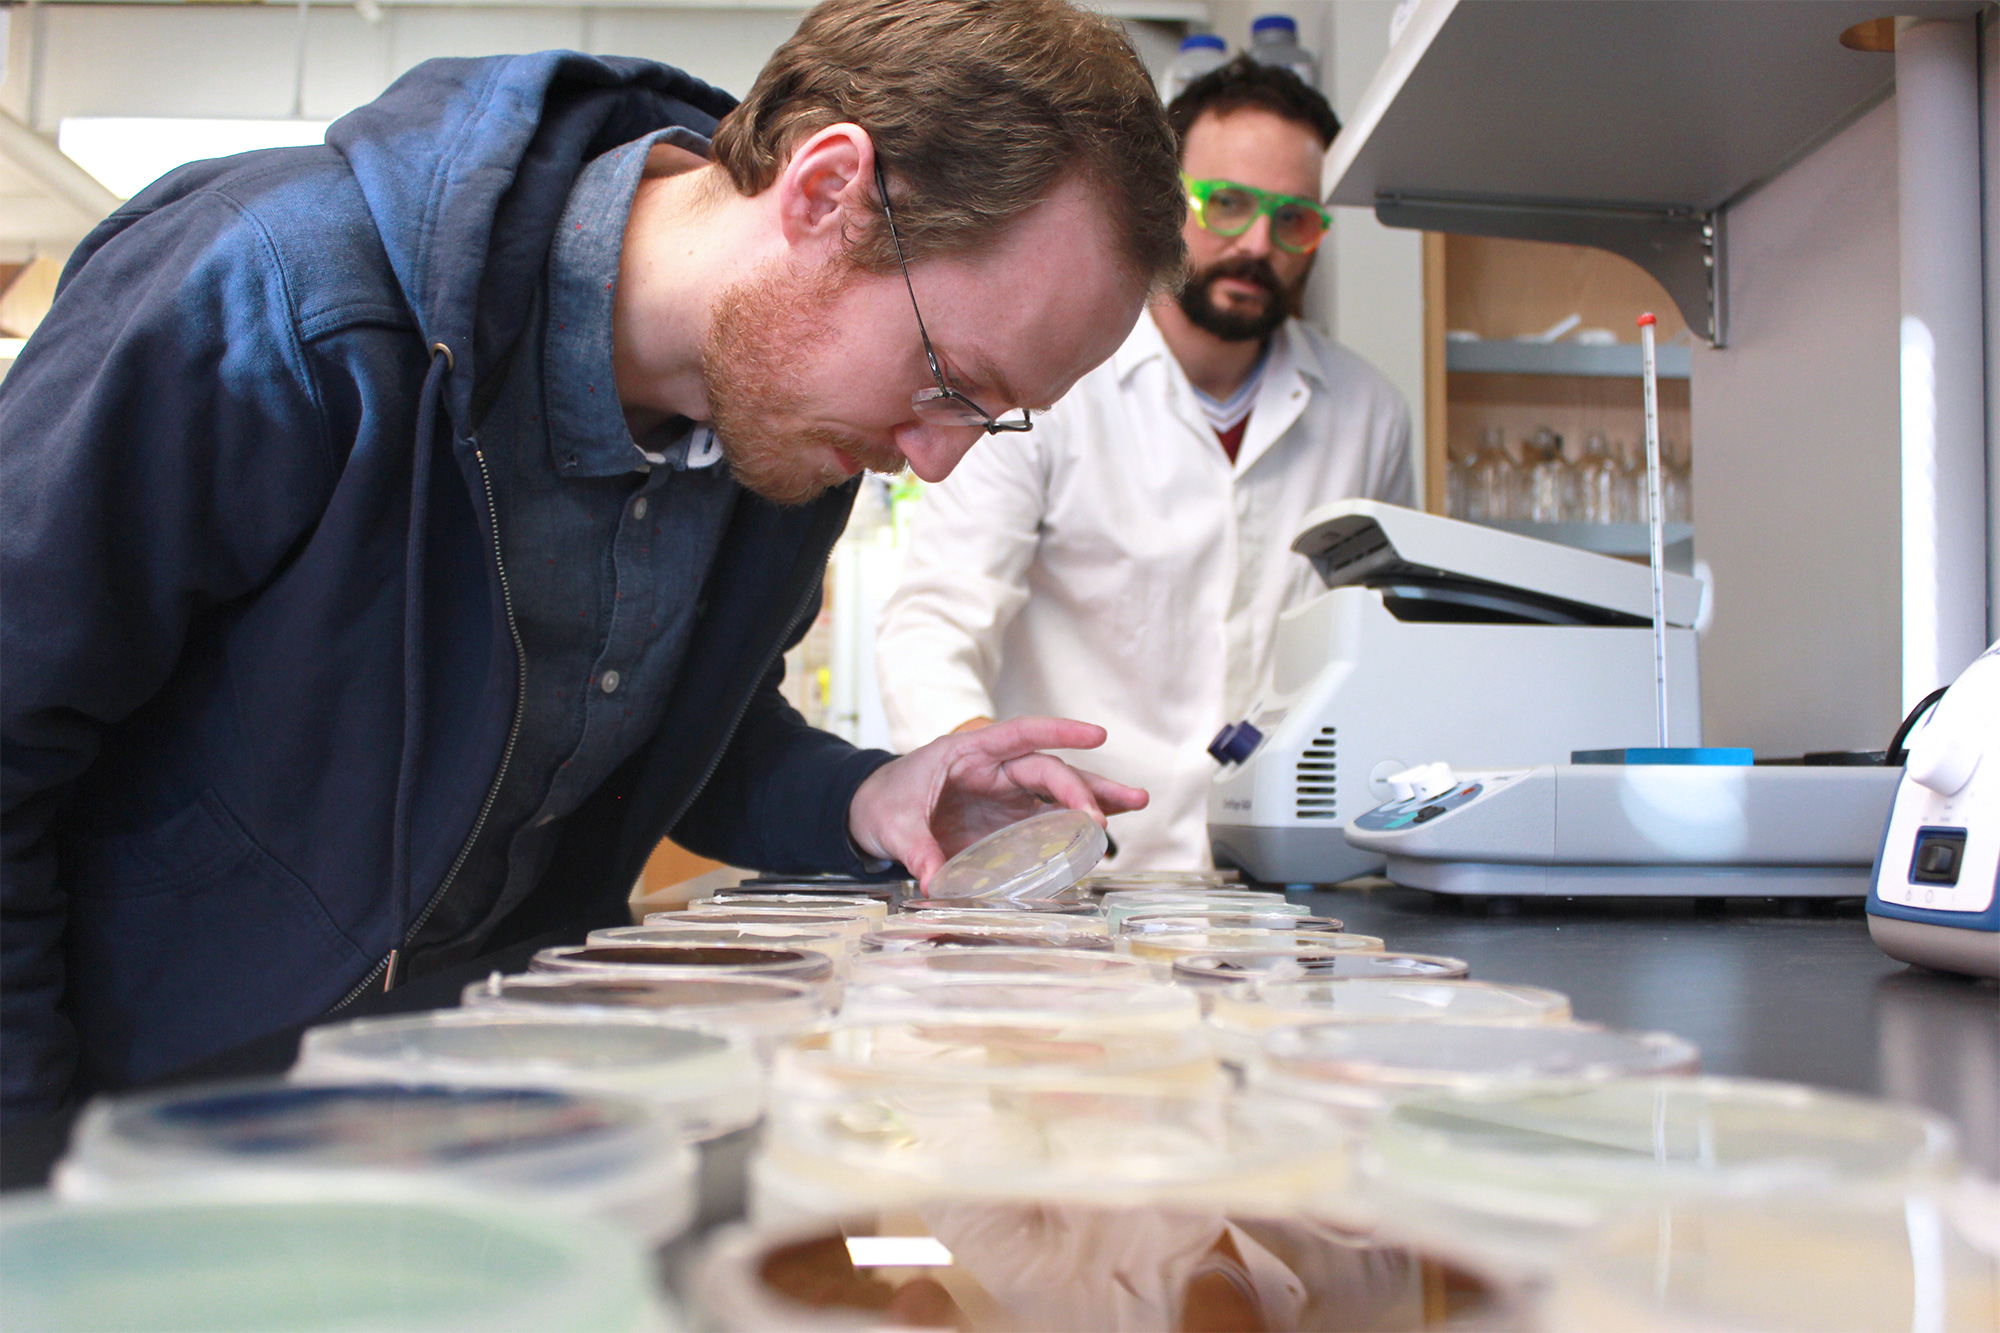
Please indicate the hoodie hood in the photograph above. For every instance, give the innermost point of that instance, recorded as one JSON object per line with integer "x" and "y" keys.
{"x": 466, "y": 165}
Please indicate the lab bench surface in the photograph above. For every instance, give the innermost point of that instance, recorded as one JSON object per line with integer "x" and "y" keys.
{"x": 1800, "y": 994}
{"x": 1763, "y": 992}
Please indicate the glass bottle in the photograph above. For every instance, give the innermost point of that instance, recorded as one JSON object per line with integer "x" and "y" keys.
{"x": 1490, "y": 495}
{"x": 1676, "y": 482}
{"x": 1597, "y": 483}
{"x": 1631, "y": 484}
{"x": 1550, "y": 480}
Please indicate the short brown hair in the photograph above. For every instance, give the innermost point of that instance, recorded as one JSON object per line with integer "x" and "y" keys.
{"x": 977, "y": 108}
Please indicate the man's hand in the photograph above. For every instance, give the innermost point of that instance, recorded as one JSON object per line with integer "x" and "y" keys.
{"x": 935, "y": 801}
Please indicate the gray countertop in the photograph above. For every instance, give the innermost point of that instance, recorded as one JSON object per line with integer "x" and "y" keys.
{"x": 1764, "y": 992}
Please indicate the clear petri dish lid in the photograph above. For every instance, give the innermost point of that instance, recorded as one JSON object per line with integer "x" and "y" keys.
{"x": 921, "y": 938}
{"x": 1236, "y": 969}
{"x": 1030, "y": 1050}
{"x": 1397, "y": 1056}
{"x": 618, "y": 1158}
{"x": 1037, "y": 858}
{"x": 1038, "y": 907}
{"x": 849, "y": 920}
{"x": 1568, "y": 1154}
{"x": 1278, "y": 1003}
{"x": 1832, "y": 1259}
{"x": 835, "y": 944}
{"x": 1180, "y": 923}
{"x": 1118, "y": 906}
{"x": 921, "y": 966}
{"x": 866, "y": 905}
{"x": 971, "y": 1263}
{"x": 708, "y": 1081}
{"x": 1149, "y": 879}
{"x": 836, "y": 884}
{"x": 670, "y": 960}
{"x": 1067, "y": 1003}
{"x": 1165, "y": 947}
{"x": 697, "y": 999}
{"x": 387, "y": 1261}
{"x": 1041, "y": 922}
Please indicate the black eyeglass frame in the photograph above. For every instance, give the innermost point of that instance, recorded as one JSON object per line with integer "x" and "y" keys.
{"x": 923, "y": 398}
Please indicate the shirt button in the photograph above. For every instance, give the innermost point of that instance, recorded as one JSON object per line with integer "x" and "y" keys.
{"x": 639, "y": 507}
{"x": 608, "y": 682}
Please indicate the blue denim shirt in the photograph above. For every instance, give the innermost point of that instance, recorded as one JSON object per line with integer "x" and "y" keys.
{"x": 607, "y": 542}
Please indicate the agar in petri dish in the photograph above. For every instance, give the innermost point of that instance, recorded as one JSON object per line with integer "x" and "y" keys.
{"x": 1037, "y": 858}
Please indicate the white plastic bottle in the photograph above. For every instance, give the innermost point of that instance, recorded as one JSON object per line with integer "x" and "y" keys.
{"x": 1200, "y": 53}
{"x": 1274, "y": 40}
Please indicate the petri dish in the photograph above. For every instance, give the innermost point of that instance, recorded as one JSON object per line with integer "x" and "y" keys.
{"x": 1068, "y": 1005}
{"x": 1834, "y": 1259}
{"x": 1164, "y": 947}
{"x": 1242, "y": 1017}
{"x": 428, "y": 1265}
{"x": 1224, "y": 970}
{"x": 762, "y": 1009}
{"x": 617, "y": 1159}
{"x": 861, "y": 904}
{"x": 1037, "y": 858}
{"x": 1118, "y": 906}
{"x": 1363, "y": 1065}
{"x": 1150, "y": 879}
{"x": 918, "y": 938}
{"x": 844, "y": 920}
{"x": 1517, "y": 1173}
{"x": 1050, "y": 922}
{"x": 835, "y": 944}
{"x": 872, "y": 1112}
{"x": 988, "y": 1264}
{"x": 1035, "y": 907}
{"x": 915, "y": 967}
{"x": 709, "y": 1082}
{"x": 693, "y": 960}
{"x": 1179, "y": 923}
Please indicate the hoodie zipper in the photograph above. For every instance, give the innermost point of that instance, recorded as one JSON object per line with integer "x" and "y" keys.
{"x": 385, "y": 969}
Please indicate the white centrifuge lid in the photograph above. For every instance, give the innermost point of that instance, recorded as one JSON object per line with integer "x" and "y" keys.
{"x": 1034, "y": 859}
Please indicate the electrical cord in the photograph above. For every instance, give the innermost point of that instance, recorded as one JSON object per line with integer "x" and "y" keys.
{"x": 1897, "y": 755}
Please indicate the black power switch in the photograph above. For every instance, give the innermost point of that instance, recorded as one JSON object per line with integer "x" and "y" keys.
{"x": 1940, "y": 852}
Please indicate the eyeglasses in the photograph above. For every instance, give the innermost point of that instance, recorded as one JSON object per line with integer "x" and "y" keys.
{"x": 1228, "y": 209}
{"x": 944, "y": 405}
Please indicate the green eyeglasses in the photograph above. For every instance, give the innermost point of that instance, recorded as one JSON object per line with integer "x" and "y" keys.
{"x": 1228, "y": 209}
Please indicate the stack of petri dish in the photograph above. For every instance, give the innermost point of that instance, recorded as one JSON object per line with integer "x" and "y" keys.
{"x": 1057, "y": 932}
{"x": 777, "y": 899}
{"x": 761, "y": 1009}
{"x": 1518, "y": 1174}
{"x": 389, "y": 1260}
{"x": 1230, "y": 971}
{"x": 1062, "y": 1007}
{"x": 1242, "y": 1016}
{"x": 708, "y": 1083}
{"x": 1052, "y": 1265}
{"x": 1164, "y": 945}
{"x": 1119, "y": 905}
{"x": 570, "y": 1154}
{"x": 843, "y": 920}
{"x": 868, "y": 1114}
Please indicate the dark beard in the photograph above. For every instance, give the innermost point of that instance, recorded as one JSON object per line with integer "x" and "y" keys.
{"x": 1204, "y": 314}
{"x": 750, "y": 365}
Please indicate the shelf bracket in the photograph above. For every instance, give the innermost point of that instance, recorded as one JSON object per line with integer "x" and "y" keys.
{"x": 1681, "y": 247}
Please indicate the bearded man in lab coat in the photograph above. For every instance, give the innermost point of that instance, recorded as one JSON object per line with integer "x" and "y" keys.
{"x": 1129, "y": 560}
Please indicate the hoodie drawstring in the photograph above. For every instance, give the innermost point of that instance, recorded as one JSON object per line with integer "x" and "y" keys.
{"x": 400, "y": 871}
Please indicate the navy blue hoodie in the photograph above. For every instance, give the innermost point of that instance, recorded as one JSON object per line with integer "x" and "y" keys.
{"x": 259, "y": 675}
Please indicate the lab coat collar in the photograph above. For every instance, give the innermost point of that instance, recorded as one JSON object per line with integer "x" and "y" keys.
{"x": 1288, "y": 366}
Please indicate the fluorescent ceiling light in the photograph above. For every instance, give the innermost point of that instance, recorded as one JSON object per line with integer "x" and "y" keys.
{"x": 128, "y": 153}
{"x": 897, "y": 1252}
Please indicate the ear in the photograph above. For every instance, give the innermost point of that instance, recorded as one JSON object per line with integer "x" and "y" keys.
{"x": 830, "y": 176}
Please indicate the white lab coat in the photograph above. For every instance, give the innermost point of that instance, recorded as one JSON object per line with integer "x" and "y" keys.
{"x": 1111, "y": 565}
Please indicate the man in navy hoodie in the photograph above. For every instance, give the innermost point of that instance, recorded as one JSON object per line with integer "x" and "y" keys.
{"x": 401, "y": 536}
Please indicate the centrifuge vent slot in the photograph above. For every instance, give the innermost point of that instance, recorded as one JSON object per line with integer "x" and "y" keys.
{"x": 1317, "y": 766}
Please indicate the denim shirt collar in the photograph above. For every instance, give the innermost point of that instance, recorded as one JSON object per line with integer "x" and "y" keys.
{"x": 588, "y": 436}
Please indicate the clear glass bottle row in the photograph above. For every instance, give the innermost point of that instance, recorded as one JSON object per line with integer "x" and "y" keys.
{"x": 1535, "y": 482}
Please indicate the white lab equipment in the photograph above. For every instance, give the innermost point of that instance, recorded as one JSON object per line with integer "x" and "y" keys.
{"x": 1703, "y": 830}
{"x": 1436, "y": 638}
{"x": 1936, "y": 893}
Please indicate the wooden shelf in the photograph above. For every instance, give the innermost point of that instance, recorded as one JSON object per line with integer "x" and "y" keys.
{"x": 1490, "y": 357}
